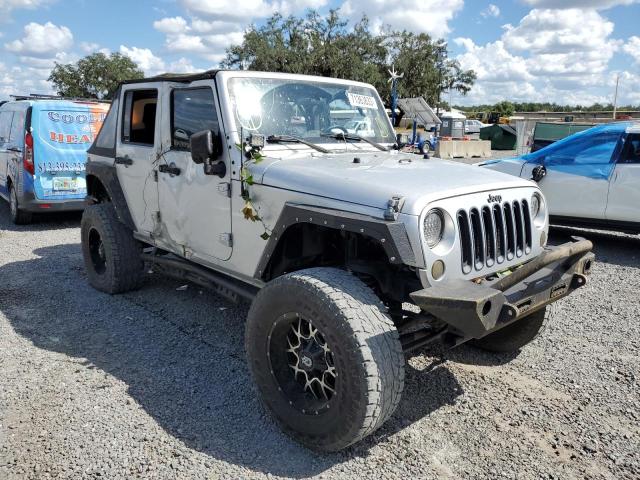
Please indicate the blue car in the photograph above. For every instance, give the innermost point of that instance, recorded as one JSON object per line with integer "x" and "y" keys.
{"x": 43, "y": 150}
{"x": 589, "y": 179}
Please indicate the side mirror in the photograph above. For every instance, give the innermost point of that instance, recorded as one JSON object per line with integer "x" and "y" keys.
{"x": 205, "y": 146}
{"x": 205, "y": 149}
{"x": 538, "y": 173}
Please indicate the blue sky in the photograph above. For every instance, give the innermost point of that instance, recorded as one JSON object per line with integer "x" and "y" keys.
{"x": 568, "y": 51}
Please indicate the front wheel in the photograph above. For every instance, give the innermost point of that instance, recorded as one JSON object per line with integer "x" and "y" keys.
{"x": 325, "y": 357}
{"x": 111, "y": 254}
{"x": 515, "y": 336}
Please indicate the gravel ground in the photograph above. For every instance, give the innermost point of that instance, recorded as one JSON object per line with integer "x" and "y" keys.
{"x": 153, "y": 384}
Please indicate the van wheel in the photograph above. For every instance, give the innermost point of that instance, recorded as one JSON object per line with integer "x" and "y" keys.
{"x": 19, "y": 217}
{"x": 325, "y": 357}
{"x": 111, "y": 254}
{"x": 515, "y": 336}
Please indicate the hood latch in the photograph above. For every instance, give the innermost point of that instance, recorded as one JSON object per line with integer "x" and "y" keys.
{"x": 394, "y": 205}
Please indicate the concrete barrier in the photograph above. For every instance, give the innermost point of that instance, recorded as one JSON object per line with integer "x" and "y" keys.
{"x": 463, "y": 148}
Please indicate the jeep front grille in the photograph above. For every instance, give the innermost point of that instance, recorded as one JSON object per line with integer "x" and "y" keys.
{"x": 494, "y": 233}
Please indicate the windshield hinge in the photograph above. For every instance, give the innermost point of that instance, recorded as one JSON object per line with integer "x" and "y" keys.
{"x": 394, "y": 205}
{"x": 224, "y": 189}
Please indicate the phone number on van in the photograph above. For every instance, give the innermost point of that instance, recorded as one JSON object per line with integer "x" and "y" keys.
{"x": 44, "y": 167}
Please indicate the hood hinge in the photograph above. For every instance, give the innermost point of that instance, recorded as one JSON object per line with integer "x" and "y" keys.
{"x": 394, "y": 205}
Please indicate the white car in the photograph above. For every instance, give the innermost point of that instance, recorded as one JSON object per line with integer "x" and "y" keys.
{"x": 474, "y": 126}
{"x": 589, "y": 179}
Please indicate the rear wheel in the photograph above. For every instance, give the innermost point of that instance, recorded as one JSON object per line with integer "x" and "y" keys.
{"x": 325, "y": 356}
{"x": 18, "y": 216}
{"x": 515, "y": 336}
{"x": 111, "y": 254}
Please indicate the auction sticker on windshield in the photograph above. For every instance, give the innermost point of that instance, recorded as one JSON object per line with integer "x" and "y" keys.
{"x": 362, "y": 101}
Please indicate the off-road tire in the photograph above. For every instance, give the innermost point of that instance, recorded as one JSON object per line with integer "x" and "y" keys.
{"x": 123, "y": 269}
{"x": 18, "y": 216}
{"x": 368, "y": 356}
{"x": 515, "y": 336}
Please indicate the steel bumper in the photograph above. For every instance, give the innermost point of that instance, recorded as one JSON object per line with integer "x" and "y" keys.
{"x": 473, "y": 310}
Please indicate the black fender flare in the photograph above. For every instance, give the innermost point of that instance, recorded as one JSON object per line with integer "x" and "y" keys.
{"x": 107, "y": 174}
{"x": 391, "y": 235}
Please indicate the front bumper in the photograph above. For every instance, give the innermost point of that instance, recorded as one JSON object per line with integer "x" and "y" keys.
{"x": 473, "y": 310}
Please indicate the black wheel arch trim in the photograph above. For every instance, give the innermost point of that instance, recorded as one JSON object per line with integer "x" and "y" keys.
{"x": 391, "y": 235}
{"x": 107, "y": 175}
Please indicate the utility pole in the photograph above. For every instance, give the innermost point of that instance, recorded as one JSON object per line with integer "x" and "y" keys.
{"x": 615, "y": 98}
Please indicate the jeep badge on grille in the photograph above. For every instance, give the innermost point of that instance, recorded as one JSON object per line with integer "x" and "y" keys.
{"x": 495, "y": 198}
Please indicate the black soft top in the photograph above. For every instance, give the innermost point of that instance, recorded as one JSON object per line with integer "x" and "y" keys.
{"x": 175, "y": 77}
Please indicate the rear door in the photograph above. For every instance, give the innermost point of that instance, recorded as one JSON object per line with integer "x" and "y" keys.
{"x": 578, "y": 172}
{"x": 196, "y": 208}
{"x": 624, "y": 188}
{"x": 138, "y": 151}
{"x": 62, "y": 132}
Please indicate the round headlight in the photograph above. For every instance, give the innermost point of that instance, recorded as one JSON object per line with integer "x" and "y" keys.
{"x": 433, "y": 227}
{"x": 535, "y": 205}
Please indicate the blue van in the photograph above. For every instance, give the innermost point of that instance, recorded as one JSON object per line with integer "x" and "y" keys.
{"x": 43, "y": 150}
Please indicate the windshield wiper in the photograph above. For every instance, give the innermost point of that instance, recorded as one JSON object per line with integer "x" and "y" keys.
{"x": 290, "y": 139}
{"x": 355, "y": 138}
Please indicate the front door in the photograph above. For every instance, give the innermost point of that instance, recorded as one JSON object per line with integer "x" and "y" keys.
{"x": 578, "y": 172}
{"x": 195, "y": 208}
{"x": 138, "y": 152}
{"x": 624, "y": 190}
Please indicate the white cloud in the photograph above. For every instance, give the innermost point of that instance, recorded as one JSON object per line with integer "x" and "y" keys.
{"x": 426, "y": 16}
{"x": 41, "y": 40}
{"x": 632, "y": 47}
{"x": 242, "y": 11}
{"x": 550, "y": 55}
{"x": 556, "y": 31}
{"x": 596, "y": 4}
{"x": 182, "y": 65}
{"x": 145, "y": 59}
{"x": 6, "y": 6}
{"x": 171, "y": 25}
{"x": 491, "y": 11}
{"x": 205, "y": 38}
{"x": 22, "y": 80}
{"x": 92, "y": 47}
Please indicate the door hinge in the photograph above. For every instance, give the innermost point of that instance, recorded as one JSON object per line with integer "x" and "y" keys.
{"x": 224, "y": 189}
{"x": 226, "y": 239}
{"x": 158, "y": 217}
{"x": 155, "y": 176}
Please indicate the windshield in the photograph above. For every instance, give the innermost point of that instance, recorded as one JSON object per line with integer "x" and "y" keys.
{"x": 308, "y": 109}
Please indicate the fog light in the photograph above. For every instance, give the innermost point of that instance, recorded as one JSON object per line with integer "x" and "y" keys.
{"x": 437, "y": 269}
{"x": 543, "y": 239}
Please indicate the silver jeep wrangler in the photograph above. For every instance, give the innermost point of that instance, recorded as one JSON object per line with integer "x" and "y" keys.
{"x": 293, "y": 192}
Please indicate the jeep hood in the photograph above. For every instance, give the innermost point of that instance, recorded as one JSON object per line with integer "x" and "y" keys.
{"x": 379, "y": 176}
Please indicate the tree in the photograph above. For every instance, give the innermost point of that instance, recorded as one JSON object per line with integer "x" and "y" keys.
{"x": 504, "y": 108}
{"x": 325, "y": 46}
{"x": 94, "y": 76}
{"x": 313, "y": 45}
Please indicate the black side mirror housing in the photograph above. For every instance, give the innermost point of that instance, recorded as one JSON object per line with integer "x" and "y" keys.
{"x": 205, "y": 149}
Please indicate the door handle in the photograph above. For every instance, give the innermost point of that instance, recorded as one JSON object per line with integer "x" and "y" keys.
{"x": 126, "y": 160}
{"x": 14, "y": 149}
{"x": 171, "y": 169}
